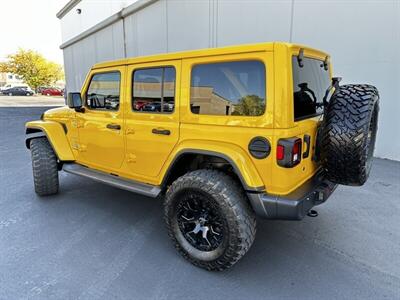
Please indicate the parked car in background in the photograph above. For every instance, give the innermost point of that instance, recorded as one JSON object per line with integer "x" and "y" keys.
{"x": 18, "y": 91}
{"x": 168, "y": 106}
{"x": 52, "y": 92}
{"x": 11, "y": 85}
{"x": 41, "y": 88}
{"x": 138, "y": 105}
{"x": 154, "y": 106}
{"x": 28, "y": 89}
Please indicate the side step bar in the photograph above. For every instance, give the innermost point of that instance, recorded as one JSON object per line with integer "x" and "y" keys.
{"x": 114, "y": 180}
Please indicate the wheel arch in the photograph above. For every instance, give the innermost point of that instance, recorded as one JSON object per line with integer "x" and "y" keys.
{"x": 55, "y": 134}
{"x": 248, "y": 177}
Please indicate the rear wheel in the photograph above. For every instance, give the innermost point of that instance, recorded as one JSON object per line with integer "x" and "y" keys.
{"x": 349, "y": 134}
{"x": 44, "y": 166}
{"x": 209, "y": 219}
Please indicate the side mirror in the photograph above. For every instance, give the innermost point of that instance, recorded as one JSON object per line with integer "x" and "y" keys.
{"x": 74, "y": 100}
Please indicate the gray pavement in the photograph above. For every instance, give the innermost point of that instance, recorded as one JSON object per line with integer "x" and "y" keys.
{"x": 93, "y": 241}
{"x": 30, "y": 101}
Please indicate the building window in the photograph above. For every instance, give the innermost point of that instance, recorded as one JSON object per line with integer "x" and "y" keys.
{"x": 10, "y": 76}
{"x": 154, "y": 90}
{"x": 228, "y": 88}
{"x": 103, "y": 91}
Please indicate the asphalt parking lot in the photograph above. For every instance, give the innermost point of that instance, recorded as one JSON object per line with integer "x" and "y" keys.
{"x": 93, "y": 241}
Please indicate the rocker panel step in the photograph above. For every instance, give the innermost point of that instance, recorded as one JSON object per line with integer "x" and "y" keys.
{"x": 113, "y": 180}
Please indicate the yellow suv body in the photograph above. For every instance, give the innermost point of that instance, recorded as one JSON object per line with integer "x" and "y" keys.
{"x": 135, "y": 152}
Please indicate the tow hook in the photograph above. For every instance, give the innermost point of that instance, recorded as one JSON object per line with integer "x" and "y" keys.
{"x": 312, "y": 213}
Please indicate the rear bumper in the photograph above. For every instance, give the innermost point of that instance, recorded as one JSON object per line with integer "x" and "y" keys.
{"x": 295, "y": 205}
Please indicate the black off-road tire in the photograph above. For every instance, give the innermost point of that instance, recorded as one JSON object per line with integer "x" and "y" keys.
{"x": 229, "y": 197}
{"x": 349, "y": 134}
{"x": 44, "y": 166}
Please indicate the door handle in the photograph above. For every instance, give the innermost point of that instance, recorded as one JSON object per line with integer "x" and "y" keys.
{"x": 114, "y": 126}
{"x": 161, "y": 131}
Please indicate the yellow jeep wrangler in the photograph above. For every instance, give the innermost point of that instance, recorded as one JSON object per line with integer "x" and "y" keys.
{"x": 221, "y": 134}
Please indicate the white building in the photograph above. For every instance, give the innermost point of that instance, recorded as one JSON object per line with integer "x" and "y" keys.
{"x": 363, "y": 38}
{"x": 9, "y": 79}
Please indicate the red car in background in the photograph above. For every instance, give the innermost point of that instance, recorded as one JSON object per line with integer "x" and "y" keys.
{"x": 52, "y": 92}
{"x": 139, "y": 105}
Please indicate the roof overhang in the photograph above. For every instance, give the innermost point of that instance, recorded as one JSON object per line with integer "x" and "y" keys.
{"x": 134, "y": 7}
{"x": 67, "y": 7}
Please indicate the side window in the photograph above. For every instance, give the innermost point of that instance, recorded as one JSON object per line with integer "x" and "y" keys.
{"x": 228, "y": 88}
{"x": 103, "y": 91}
{"x": 154, "y": 90}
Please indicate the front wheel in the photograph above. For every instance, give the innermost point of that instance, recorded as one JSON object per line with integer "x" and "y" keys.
{"x": 44, "y": 166}
{"x": 209, "y": 219}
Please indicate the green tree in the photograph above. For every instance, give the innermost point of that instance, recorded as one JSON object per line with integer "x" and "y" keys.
{"x": 250, "y": 105}
{"x": 33, "y": 68}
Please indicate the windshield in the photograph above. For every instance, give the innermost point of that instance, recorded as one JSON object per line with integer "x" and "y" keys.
{"x": 310, "y": 83}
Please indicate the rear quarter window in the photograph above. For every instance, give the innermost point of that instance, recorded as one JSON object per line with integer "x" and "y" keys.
{"x": 228, "y": 88}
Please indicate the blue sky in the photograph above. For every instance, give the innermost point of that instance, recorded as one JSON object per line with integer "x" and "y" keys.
{"x": 31, "y": 24}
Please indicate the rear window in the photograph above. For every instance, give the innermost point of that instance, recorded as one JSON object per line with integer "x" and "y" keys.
{"x": 310, "y": 83}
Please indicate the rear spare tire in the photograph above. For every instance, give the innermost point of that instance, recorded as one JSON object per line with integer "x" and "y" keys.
{"x": 349, "y": 132}
{"x": 44, "y": 166}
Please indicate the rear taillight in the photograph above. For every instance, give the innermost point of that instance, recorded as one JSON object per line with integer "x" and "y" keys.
{"x": 288, "y": 152}
{"x": 280, "y": 152}
{"x": 296, "y": 151}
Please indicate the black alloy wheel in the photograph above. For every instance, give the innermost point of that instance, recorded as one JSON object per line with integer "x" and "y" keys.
{"x": 200, "y": 221}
